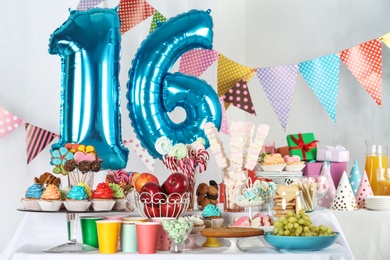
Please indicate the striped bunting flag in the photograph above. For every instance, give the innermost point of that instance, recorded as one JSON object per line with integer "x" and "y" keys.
{"x": 36, "y": 140}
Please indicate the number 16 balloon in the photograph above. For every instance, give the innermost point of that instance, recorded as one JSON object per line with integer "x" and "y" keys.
{"x": 153, "y": 92}
{"x": 89, "y": 46}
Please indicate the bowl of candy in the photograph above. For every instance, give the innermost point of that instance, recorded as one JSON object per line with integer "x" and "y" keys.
{"x": 178, "y": 231}
{"x": 161, "y": 205}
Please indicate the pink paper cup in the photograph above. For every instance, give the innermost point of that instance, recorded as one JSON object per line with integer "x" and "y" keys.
{"x": 163, "y": 241}
{"x": 147, "y": 236}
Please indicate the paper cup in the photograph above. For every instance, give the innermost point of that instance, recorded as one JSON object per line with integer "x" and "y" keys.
{"x": 128, "y": 237}
{"x": 89, "y": 230}
{"x": 108, "y": 233}
{"x": 147, "y": 236}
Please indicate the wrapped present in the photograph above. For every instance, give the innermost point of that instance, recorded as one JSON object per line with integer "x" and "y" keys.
{"x": 332, "y": 154}
{"x": 303, "y": 145}
{"x": 313, "y": 169}
{"x": 284, "y": 150}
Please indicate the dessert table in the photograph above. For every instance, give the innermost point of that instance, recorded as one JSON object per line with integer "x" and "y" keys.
{"x": 39, "y": 230}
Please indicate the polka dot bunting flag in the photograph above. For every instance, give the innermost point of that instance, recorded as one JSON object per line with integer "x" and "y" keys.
{"x": 239, "y": 97}
{"x": 141, "y": 153}
{"x": 88, "y": 4}
{"x": 365, "y": 63}
{"x": 8, "y": 122}
{"x": 363, "y": 191}
{"x": 224, "y": 124}
{"x": 344, "y": 199}
{"x": 195, "y": 62}
{"x": 355, "y": 177}
{"x": 229, "y": 73}
{"x": 157, "y": 17}
{"x": 278, "y": 84}
{"x": 386, "y": 39}
{"x": 322, "y": 76}
{"x": 132, "y": 12}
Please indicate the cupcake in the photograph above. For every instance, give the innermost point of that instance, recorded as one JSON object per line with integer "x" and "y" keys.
{"x": 77, "y": 199}
{"x": 272, "y": 162}
{"x": 50, "y": 199}
{"x": 294, "y": 163}
{"x": 211, "y": 216}
{"x": 119, "y": 196}
{"x": 198, "y": 223}
{"x": 32, "y": 196}
{"x": 103, "y": 197}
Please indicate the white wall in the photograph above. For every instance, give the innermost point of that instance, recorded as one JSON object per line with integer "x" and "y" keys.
{"x": 255, "y": 33}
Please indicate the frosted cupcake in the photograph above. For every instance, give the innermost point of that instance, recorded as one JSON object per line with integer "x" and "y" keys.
{"x": 77, "y": 199}
{"x": 103, "y": 197}
{"x": 272, "y": 162}
{"x": 32, "y": 196}
{"x": 198, "y": 223}
{"x": 119, "y": 196}
{"x": 50, "y": 199}
{"x": 211, "y": 216}
{"x": 294, "y": 163}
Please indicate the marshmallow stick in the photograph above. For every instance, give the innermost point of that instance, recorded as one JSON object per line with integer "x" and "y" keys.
{"x": 256, "y": 146}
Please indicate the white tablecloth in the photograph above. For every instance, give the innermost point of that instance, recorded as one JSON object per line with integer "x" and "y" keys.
{"x": 38, "y": 231}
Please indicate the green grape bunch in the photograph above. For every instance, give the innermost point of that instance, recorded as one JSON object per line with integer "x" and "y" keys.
{"x": 300, "y": 224}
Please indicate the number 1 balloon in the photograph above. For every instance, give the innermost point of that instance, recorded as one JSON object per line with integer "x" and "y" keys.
{"x": 89, "y": 46}
{"x": 153, "y": 92}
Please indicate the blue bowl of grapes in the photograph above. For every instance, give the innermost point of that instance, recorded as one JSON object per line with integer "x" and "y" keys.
{"x": 301, "y": 243}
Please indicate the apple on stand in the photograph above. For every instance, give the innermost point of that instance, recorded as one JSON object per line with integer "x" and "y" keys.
{"x": 152, "y": 210}
{"x": 152, "y": 192}
{"x": 140, "y": 180}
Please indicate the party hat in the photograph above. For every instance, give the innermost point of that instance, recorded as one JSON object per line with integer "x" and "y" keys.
{"x": 344, "y": 200}
{"x": 327, "y": 199}
{"x": 355, "y": 177}
{"x": 363, "y": 191}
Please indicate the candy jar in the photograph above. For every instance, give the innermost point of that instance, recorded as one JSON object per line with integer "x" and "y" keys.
{"x": 177, "y": 231}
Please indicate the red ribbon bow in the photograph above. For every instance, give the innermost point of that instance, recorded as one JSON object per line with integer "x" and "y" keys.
{"x": 302, "y": 146}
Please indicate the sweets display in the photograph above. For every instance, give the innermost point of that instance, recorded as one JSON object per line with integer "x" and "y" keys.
{"x": 50, "y": 198}
{"x": 197, "y": 221}
{"x": 77, "y": 199}
{"x": 272, "y": 162}
{"x": 294, "y": 163}
{"x": 33, "y": 194}
{"x": 258, "y": 220}
{"x": 103, "y": 197}
{"x": 211, "y": 216}
{"x": 287, "y": 199}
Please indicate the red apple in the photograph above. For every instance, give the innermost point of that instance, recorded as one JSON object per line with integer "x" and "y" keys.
{"x": 152, "y": 210}
{"x": 174, "y": 198}
{"x": 151, "y": 192}
{"x": 170, "y": 210}
{"x": 143, "y": 178}
{"x": 176, "y": 183}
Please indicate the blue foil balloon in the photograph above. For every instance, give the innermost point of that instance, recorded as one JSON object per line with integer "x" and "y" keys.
{"x": 153, "y": 92}
{"x": 89, "y": 46}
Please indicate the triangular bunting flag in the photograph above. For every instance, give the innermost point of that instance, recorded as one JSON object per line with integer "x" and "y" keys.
{"x": 363, "y": 191}
{"x": 88, "y": 4}
{"x": 386, "y": 39}
{"x": 157, "y": 17}
{"x": 322, "y": 75}
{"x": 195, "y": 62}
{"x": 229, "y": 73}
{"x": 132, "y": 12}
{"x": 278, "y": 84}
{"x": 365, "y": 63}
{"x": 142, "y": 153}
{"x": 240, "y": 97}
{"x": 224, "y": 124}
{"x": 36, "y": 140}
{"x": 8, "y": 122}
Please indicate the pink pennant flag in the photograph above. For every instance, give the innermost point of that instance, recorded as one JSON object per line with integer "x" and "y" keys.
{"x": 88, "y": 4}
{"x": 240, "y": 97}
{"x": 363, "y": 191}
{"x": 8, "y": 122}
{"x": 36, "y": 140}
{"x": 365, "y": 63}
{"x": 195, "y": 62}
{"x": 142, "y": 153}
{"x": 327, "y": 199}
{"x": 224, "y": 124}
{"x": 132, "y": 12}
{"x": 278, "y": 84}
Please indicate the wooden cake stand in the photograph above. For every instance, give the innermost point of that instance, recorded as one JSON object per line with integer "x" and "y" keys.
{"x": 233, "y": 234}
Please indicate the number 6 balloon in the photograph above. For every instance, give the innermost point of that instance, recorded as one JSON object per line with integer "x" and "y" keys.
{"x": 89, "y": 46}
{"x": 153, "y": 92}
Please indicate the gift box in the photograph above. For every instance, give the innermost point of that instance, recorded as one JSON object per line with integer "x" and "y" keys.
{"x": 332, "y": 154}
{"x": 284, "y": 150}
{"x": 303, "y": 145}
{"x": 313, "y": 169}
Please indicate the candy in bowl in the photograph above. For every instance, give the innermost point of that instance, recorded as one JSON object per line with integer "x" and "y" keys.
{"x": 177, "y": 231}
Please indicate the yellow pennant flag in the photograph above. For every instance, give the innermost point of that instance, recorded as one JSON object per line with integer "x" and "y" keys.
{"x": 386, "y": 39}
{"x": 229, "y": 73}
